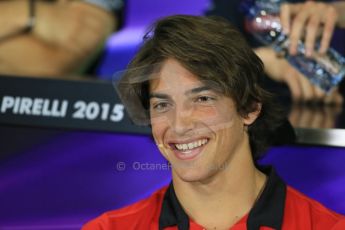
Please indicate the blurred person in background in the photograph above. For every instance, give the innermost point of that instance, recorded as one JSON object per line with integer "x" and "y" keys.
{"x": 299, "y": 18}
{"x": 54, "y": 38}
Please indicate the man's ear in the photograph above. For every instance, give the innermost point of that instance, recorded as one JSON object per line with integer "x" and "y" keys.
{"x": 252, "y": 116}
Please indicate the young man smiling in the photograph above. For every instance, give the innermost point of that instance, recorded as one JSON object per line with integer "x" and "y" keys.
{"x": 198, "y": 84}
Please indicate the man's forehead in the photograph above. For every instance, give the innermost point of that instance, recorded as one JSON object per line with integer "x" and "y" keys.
{"x": 186, "y": 87}
{"x": 177, "y": 84}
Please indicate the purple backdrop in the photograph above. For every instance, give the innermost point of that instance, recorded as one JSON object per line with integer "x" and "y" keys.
{"x": 65, "y": 181}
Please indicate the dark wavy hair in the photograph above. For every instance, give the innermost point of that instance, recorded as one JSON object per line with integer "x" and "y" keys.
{"x": 215, "y": 52}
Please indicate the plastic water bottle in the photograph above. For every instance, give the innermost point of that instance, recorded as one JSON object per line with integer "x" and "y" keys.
{"x": 263, "y": 21}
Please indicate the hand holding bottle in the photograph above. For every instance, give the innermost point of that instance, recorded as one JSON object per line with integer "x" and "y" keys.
{"x": 311, "y": 20}
{"x": 324, "y": 70}
{"x": 302, "y": 90}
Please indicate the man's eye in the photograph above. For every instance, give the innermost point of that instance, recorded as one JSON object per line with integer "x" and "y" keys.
{"x": 160, "y": 107}
{"x": 204, "y": 99}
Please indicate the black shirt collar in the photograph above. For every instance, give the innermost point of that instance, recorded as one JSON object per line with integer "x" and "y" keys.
{"x": 172, "y": 212}
{"x": 268, "y": 210}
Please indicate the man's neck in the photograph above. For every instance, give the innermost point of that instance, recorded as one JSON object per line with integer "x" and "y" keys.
{"x": 220, "y": 201}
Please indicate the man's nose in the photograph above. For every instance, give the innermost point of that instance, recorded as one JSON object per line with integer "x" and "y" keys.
{"x": 183, "y": 120}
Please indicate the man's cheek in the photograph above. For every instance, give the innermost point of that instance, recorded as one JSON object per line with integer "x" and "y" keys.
{"x": 160, "y": 121}
{"x": 218, "y": 121}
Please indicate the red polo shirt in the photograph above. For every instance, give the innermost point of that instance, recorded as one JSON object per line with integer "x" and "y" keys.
{"x": 279, "y": 207}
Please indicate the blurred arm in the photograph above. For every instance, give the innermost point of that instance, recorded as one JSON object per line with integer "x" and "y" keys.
{"x": 66, "y": 33}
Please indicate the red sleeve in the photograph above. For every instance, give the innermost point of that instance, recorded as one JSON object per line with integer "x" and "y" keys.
{"x": 99, "y": 223}
{"x": 340, "y": 225}
{"x": 136, "y": 216}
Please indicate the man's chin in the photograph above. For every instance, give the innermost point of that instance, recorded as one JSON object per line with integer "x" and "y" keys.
{"x": 192, "y": 175}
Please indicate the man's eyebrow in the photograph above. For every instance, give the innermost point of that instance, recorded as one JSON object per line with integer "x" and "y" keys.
{"x": 159, "y": 95}
{"x": 198, "y": 89}
{"x": 191, "y": 91}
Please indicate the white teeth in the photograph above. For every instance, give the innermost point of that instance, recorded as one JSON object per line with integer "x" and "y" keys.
{"x": 184, "y": 146}
{"x": 191, "y": 145}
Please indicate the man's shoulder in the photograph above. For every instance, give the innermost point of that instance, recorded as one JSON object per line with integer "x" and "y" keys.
{"x": 139, "y": 214}
{"x": 141, "y": 206}
{"x": 312, "y": 213}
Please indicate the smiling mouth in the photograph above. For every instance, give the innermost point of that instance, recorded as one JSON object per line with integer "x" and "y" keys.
{"x": 189, "y": 150}
{"x": 189, "y": 145}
